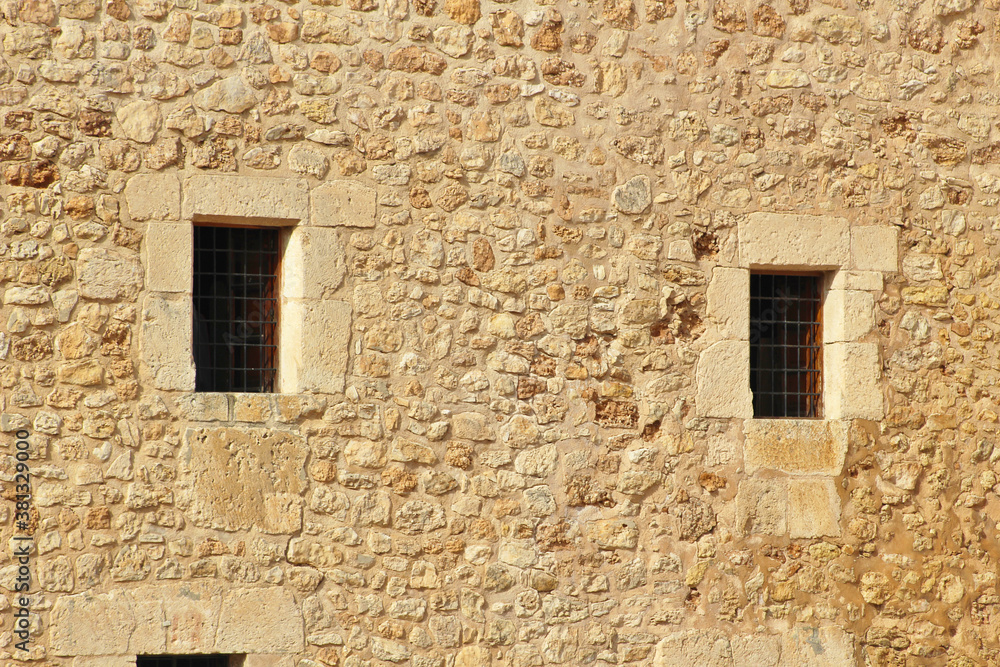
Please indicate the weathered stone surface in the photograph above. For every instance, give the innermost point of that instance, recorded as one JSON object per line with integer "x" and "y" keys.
{"x": 711, "y": 649}
{"x": 343, "y": 203}
{"x": 241, "y": 479}
{"x": 310, "y": 367}
{"x": 728, "y": 306}
{"x": 235, "y": 197}
{"x": 761, "y": 506}
{"x": 140, "y": 120}
{"x": 791, "y": 241}
{"x": 634, "y": 196}
{"x": 797, "y": 446}
{"x": 724, "y": 381}
{"x": 108, "y": 274}
{"x": 258, "y": 620}
{"x": 813, "y": 508}
{"x": 153, "y": 197}
{"x": 853, "y": 381}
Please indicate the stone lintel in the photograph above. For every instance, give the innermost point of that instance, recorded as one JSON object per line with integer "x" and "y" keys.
{"x": 277, "y": 201}
{"x": 794, "y": 242}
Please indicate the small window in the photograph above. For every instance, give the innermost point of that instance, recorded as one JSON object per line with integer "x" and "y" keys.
{"x": 235, "y": 308}
{"x": 187, "y": 661}
{"x": 786, "y": 347}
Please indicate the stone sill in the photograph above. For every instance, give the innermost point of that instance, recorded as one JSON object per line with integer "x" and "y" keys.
{"x": 249, "y": 408}
{"x": 795, "y": 446}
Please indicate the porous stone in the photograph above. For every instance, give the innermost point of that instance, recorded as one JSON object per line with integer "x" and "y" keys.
{"x": 797, "y": 446}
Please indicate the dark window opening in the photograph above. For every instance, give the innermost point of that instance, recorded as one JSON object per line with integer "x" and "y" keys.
{"x": 235, "y": 308}
{"x": 786, "y": 346}
{"x": 186, "y": 661}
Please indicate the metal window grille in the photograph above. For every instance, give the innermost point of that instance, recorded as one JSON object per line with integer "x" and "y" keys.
{"x": 235, "y": 308}
{"x": 182, "y": 661}
{"x": 786, "y": 347}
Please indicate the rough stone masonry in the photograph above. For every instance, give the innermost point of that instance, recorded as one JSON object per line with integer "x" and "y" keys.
{"x": 513, "y": 425}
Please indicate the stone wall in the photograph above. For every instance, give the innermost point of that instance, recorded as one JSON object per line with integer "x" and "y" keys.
{"x": 514, "y": 425}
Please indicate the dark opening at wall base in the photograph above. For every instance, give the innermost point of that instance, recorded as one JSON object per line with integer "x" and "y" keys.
{"x": 786, "y": 346}
{"x": 188, "y": 661}
{"x": 236, "y": 308}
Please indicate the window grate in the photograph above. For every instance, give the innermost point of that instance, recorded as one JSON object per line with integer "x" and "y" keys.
{"x": 235, "y": 308}
{"x": 182, "y": 661}
{"x": 786, "y": 346}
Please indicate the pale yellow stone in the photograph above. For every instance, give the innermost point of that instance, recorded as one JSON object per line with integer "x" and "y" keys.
{"x": 852, "y": 386}
{"x": 728, "y": 300}
{"x": 238, "y": 479}
{"x": 165, "y": 342}
{"x": 875, "y": 248}
{"x": 167, "y": 255}
{"x": 153, "y": 197}
{"x": 343, "y": 204}
{"x": 761, "y": 506}
{"x": 803, "y": 242}
{"x": 724, "y": 381}
{"x": 848, "y": 315}
{"x": 813, "y": 508}
{"x": 314, "y": 265}
{"x": 311, "y": 363}
{"x": 238, "y": 198}
{"x": 798, "y": 446}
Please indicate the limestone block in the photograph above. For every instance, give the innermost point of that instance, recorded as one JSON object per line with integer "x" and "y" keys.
{"x": 794, "y": 241}
{"x": 165, "y": 342}
{"x": 343, "y": 204}
{"x": 260, "y": 620}
{"x": 724, "y": 381}
{"x": 91, "y": 624}
{"x": 268, "y": 660}
{"x": 104, "y": 661}
{"x": 705, "y": 648}
{"x": 869, "y": 281}
{"x": 761, "y": 506}
{"x": 314, "y": 265}
{"x": 827, "y": 646}
{"x": 813, "y": 508}
{"x": 875, "y": 248}
{"x": 103, "y": 273}
{"x": 203, "y": 406}
{"x": 313, "y": 343}
{"x": 847, "y": 315}
{"x": 168, "y": 255}
{"x": 153, "y": 197}
{"x": 852, "y": 386}
{"x": 261, "y": 199}
{"x": 237, "y": 479}
{"x": 797, "y": 446}
{"x": 756, "y": 650}
{"x": 729, "y": 303}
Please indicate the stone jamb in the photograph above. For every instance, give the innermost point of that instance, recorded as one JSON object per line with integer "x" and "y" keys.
{"x": 309, "y": 273}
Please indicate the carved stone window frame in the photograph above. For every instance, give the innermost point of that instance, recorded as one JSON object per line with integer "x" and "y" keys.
{"x": 314, "y": 329}
{"x": 796, "y": 460}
